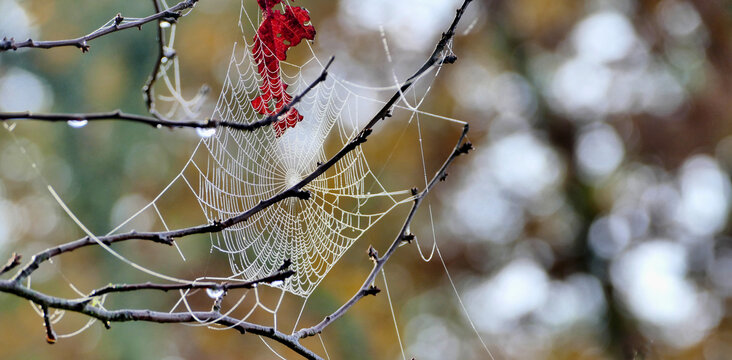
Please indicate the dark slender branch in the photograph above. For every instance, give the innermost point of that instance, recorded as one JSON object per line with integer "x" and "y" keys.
{"x": 278, "y": 276}
{"x": 368, "y": 288}
{"x": 86, "y": 307}
{"x": 161, "y": 122}
{"x": 39, "y": 258}
{"x": 147, "y": 90}
{"x": 50, "y": 334}
{"x": 82, "y": 42}
{"x": 11, "y": 264}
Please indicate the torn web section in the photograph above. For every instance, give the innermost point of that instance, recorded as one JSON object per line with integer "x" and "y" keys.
{"x": 239, "y": 169}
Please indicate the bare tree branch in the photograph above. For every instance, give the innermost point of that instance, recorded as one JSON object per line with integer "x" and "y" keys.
{"x": 86, "y": 307}
{"x": 278, "y": 276}
{"x": 368, "y": 288}
{"x": 11, "y": 264}
{"x": 162, "y": 122}
{"x": 147, "y": 90}
{"x": 50, "y": 334}
{"x": 172, "y": 13}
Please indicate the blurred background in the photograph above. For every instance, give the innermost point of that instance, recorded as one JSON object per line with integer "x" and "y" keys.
{"x": 591, "y": 221}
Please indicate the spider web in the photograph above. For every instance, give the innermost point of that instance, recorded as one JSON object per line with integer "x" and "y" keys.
{"x": 231, "y": 171}
{"x": 241, "y": 169}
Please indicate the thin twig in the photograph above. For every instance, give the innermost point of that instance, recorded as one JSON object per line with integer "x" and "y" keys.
{"x": 40, "y": 257}
{"x": 82, "y": 42}
{"x": 11, "y": 264}
{"x": 162, "y": 122}
{"x": 147, "y": 90}
{"x": 278, "y": 276}
{"x": 50, "y": 334}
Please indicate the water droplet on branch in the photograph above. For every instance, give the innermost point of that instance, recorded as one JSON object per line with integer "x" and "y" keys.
{"x": 214, "y": 293}
{"x": 206, "y": 132}
{"x": 77, "y": 123}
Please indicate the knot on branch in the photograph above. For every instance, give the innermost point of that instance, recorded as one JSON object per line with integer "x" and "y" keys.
{"x": 372, "y": 290}
{"x": 302, "y": 194}
{"x": 361, "y": 138}
{"x": 408, "y": 238}
{"x": 218, "y": 225}
{"x": 164, "y": 239}
{"x": 171, "y": 16}
{"x": 83, "y": 46}
{"x": 464, "y": 148}
{"x": 449, "y": 59}
{"x": 285, "y": 265}
{"x": 118, "y": 19}
{"x": 7, "y": 44}
{"x": 373, "y": 254}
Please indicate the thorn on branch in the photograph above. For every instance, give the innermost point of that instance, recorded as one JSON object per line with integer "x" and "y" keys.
{"x": 12, "y": 263}
{"x": 372, "y": 290}
{"x": 414, "y": 191}
{"x": 50, "y": 334}
{"x": 443, "y": 177}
